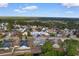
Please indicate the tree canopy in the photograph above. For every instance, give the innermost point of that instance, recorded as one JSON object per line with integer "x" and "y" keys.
{"x": 71, "y": 47}
{"x": 48, "y": 50}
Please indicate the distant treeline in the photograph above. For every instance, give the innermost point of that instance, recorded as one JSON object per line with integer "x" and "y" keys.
{"x": 39, "y": 18}
{"x": 50, "y": 22}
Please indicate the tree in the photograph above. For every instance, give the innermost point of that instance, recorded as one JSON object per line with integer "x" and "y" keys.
{"x": 71, "y": 51}
{"x": 53, "y": 34}
{"x": 10, "y": 25}
{"x": 60, "y": 25}
{"x": 48, "y": 50}
{"x": 71, "y": 47}
{"x": 28, "y": 33}
{"x": 71, "y": 25}
{"x": 47, "y": 47}
{"x": 1, "y": 44}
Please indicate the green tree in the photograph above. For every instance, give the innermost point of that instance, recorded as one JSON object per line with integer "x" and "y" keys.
{"x": 71, "y": 47}
{"x": 1, "y": 44}
{"x": 53, "y": 34}
{"x": 48, "y": 50}
{"x": 71, "y": 51}
{"x": 10, "y": 25}
{"x": 47, "y": 47}
{"x": 71, "y": 25}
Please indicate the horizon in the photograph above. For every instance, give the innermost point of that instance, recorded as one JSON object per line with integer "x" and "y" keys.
{"x": 40, "y": 16}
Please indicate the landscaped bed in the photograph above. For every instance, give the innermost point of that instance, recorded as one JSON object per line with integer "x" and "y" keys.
{"x": 4, "y": 51}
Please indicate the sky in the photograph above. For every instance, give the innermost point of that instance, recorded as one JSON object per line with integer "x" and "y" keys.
{"x": 40, "y": 9}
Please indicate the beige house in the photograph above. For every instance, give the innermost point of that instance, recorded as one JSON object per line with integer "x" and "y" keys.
{"x": 15, "y": 41}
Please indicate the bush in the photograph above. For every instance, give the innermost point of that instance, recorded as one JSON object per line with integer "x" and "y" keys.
{"x": 29, "y": 34}
{"x": 77, "y": 35}
{"x": 52, "y": 34}
{"x": 0, "y": 44}
{"x": 1, "y": 36}
{"x": 26, "y": 54}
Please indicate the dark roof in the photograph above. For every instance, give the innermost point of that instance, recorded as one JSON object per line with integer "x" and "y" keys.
{"x": 23, "y": 43}
{"x": 6, "y": 43}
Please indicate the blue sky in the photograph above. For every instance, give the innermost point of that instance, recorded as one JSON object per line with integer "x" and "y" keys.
{"x": 40, "y": 9}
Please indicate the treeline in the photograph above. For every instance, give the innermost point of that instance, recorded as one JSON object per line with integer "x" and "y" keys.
{"x": 40, "y": 18}
{"x": 71, "y": 23}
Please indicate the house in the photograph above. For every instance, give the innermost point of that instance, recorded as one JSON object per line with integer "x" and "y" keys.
{"x": 39, "y": 42}
{"x": 15, "y": 41}
{"x": 24, "y": 43}
{"x": 6, "y": 43}
{"x": 39, "y": 38}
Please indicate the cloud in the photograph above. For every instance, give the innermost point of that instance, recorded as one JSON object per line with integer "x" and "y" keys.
{"x": 3, "y": 4}
{"x": 26, "y": 8}
{"x": 30, "y": 8}
{"x": 68, "y": 5}
{"x": 19, "y": 11}
{"x": 69, "y": 12}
